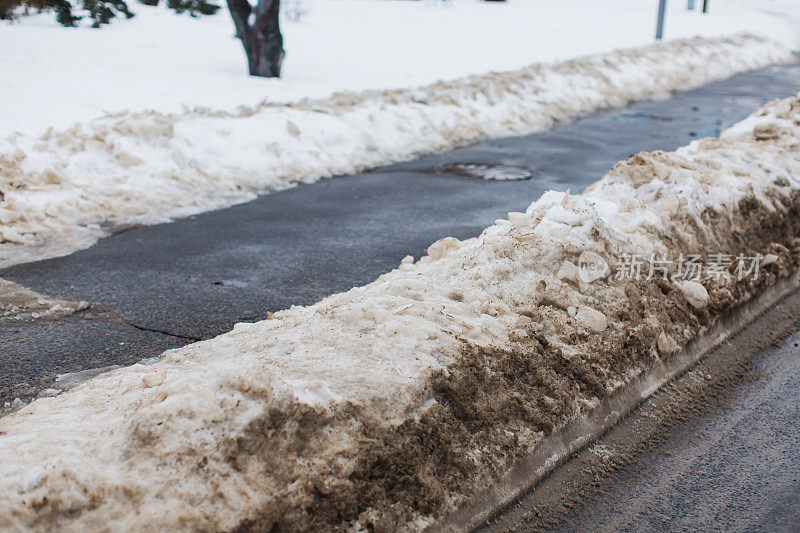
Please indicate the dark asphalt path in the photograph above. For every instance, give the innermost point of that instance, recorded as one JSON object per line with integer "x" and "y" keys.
{"x": 160, "y": 286}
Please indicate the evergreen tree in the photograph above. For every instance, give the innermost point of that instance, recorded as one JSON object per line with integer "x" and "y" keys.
{"x": 100, "y": 12}
{"x": 193, "y": 7}
{"x": 63, "y": 11}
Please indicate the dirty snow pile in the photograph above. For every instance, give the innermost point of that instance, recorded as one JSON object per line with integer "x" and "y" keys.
{"x": 388, "y": 405}
{"x": 68, "y": 187}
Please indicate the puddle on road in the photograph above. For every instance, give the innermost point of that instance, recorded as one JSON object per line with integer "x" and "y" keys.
{"x": 707, "y": 132}
{"x": 638, "y": 114}
{"x": 485, "y": 171}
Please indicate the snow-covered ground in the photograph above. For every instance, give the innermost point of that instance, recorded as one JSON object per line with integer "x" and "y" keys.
{"x": 68, "y": 187}
{"x": 54, "y": 77}
{"x": 389, "y": 404}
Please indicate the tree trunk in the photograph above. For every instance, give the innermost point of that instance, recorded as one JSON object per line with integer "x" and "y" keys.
{"x": 260, "y": 33}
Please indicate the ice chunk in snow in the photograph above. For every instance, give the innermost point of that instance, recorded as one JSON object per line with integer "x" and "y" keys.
{"x": 444, "y": 246}
{"x": 569, "y": 271}
{"x": 591, "y": 319}
{"x": 695, "y": 294}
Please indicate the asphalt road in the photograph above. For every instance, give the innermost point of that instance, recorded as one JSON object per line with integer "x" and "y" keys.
{"x": 717, "y": 449}
{"x": 161, "y": 286}
{"x": 734, "y": 469}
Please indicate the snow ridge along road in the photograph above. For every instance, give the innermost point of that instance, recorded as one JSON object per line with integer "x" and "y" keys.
{"x": 64, "y": 190}
{"x": 390, "y": 404}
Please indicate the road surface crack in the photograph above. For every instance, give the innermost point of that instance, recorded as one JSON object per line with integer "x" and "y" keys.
{"x": 162, "y": 331}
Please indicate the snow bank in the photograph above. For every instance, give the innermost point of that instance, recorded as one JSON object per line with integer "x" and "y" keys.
{"x": 160, "y": 61}
{"x": 67, "y": 188}
{"x": 20, "y": 304}
{"x": 387, "y": 405}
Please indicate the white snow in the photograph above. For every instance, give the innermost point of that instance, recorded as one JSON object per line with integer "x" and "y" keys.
{"x": 65, "y": 188}
{"x": 50, "y": 76}
{"x": 125, "y": 447}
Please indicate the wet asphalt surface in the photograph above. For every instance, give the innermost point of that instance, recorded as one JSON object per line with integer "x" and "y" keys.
{"x": 736, "y": 468}
{"x": 162, "y": 286}
{"x": 716, "y": 449}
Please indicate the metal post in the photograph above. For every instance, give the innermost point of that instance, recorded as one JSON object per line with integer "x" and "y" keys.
{"x": 691, "y": 5}
{"x": 705, "y": 6}
{"x": 662, "y": 10}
